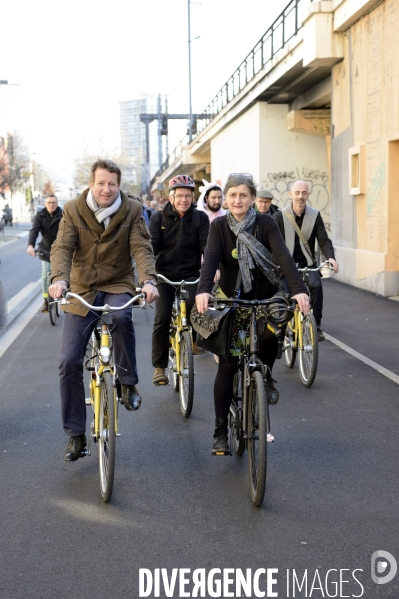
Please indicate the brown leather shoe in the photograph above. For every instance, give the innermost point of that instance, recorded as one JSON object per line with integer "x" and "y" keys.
{"x": 159, "y": 377}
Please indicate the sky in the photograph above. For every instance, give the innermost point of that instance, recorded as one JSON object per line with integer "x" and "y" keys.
{"x": 75, "y": 61}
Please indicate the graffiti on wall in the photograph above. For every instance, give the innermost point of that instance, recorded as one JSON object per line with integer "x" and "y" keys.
{"x": 280, "y": 184}
{"x": 375, "y": 188}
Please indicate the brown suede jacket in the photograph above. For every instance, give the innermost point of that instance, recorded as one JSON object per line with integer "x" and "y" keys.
{"x": 92, "y": 259}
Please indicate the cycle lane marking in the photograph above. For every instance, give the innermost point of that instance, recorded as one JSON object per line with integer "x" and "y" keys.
{"x": 21, "y": 295}
{"x": 384, "y": 371}
{"x": 8, "y": 338}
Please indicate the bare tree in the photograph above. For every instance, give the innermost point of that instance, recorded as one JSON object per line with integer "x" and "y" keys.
{"x": 14, "y": 162}
{"x": 88, "y": 156}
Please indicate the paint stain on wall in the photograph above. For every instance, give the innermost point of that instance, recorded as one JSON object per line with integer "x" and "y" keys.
{"x": 375, "y": 188}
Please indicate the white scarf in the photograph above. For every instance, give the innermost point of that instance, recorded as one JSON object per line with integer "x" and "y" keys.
{"x": 103, "y": 215}
{"x": 308, "y": 222}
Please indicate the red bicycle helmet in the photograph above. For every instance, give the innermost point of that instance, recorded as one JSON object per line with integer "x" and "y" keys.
{"x": 181, "y": 181}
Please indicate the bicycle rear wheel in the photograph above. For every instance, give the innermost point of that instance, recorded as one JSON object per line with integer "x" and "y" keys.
{"x": 289, "y": 351}
{"x": 257, "y": 438}
{"x": 236, "y": 432}
{"x": 186, "y": 374}
{"x": 309, "y": 353}
{"x": 107, "y": 437}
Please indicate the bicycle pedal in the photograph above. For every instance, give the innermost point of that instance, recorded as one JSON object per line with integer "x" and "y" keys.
{"x": 221, "y": 453}
{"x": 162, "y": 384}
{"x": 87, "y": 401}
{"x": 84, "y": 453}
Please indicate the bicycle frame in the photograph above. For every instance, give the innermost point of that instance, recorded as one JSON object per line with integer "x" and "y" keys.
{"x": 179, "y": 316}
{"x": 297, "y": 329}
{"x": 105, "y": 365}
{"x": 104, "y": 356}
{"x": 249, "y": 363}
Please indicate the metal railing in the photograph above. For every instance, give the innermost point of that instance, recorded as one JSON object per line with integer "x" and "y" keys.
{"x": 280, "y": 32}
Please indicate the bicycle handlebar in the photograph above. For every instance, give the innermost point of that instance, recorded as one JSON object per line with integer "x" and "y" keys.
{"x": 44, "y": 253}
{"x": 177, "y": 283}
{"x": 307, "y": 269}
{"x": 106, "y": 308}
{"x": 285, "y": 303}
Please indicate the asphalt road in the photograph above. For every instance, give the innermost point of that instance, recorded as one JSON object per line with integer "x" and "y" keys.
{"x": 332, "y": 486}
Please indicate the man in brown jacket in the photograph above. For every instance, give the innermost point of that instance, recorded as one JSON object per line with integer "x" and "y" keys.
{"x": 99, "y": 233}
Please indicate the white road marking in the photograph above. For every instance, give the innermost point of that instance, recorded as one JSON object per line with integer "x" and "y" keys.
{"x": 21, "y": 295}
{"x": 12, "y": 333}
{"x": 384, "y": 371}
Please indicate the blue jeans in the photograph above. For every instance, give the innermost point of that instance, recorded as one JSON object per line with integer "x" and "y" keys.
{"x": 46, "y": 268}
{"x": 76, "y": 333}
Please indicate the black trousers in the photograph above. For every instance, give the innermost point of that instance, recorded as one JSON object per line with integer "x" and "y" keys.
{"x": 223, "y": 387}
{"x": 316, "y": 294}
{"x": 75, "y": 337}
{"x": 163, "y": 313}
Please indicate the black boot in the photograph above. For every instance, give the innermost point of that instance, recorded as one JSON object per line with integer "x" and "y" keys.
{"x": 75, "y": 448}
{"x": 272, "y": 393}
{"x": 220, "y": 444}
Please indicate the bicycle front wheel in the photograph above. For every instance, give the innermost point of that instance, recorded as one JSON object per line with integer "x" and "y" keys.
{"x": 257, "y": 438}
{"x": 52, "y": 310}
{"x": 236, "y": 432}
{"x": 186, "y": 374}
{"x": 289, "y": 350}
{"x": 309, "y": 352}
{"x": 107, "y": 437}
{"x": 173, "y": 374}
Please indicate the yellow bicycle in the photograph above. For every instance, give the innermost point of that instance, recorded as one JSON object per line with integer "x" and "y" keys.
{"x": 105, "y": 392}
{"x": 181, "y": 361}
{"x": 301, "y": 337}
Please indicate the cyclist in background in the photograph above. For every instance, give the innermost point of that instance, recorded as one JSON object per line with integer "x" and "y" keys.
{"x": 263, "y": 202}
{"x": 178, "y": 234}
{"x": 298, "y": 216}
{"x": 211, "y": 200}
{"x": 45, "y": 222}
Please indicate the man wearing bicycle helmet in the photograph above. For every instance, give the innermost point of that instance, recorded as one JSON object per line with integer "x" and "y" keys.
{"x": 299, "y": 219}
{"x": 179, "y": 234}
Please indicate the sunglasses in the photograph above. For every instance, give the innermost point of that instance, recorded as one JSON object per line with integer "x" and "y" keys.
{"x": 247, "y": 175}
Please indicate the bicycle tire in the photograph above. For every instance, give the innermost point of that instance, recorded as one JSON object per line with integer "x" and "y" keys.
{"x": 173, "y": 375}
{"x": 107, "y": 437}
{"x": 52, "y": 310}
{"x": 289, "y": 351}
{"x": 236, "y": 432}
{"x": 309, "y": 353}
{"x": 257, "y": 438}
{"x": 186, "y": 374}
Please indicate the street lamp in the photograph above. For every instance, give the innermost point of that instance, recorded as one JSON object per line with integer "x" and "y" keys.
{"x": 190, "y": 125}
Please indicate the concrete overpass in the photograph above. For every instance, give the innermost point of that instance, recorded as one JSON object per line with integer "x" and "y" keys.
{"x": 294, "y": 108}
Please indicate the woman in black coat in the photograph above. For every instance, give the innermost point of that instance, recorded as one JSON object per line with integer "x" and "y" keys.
{"x": 241, "y": 240}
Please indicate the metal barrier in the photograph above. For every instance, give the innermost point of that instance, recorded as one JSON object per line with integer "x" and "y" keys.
{"x": 282, "y": 30}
